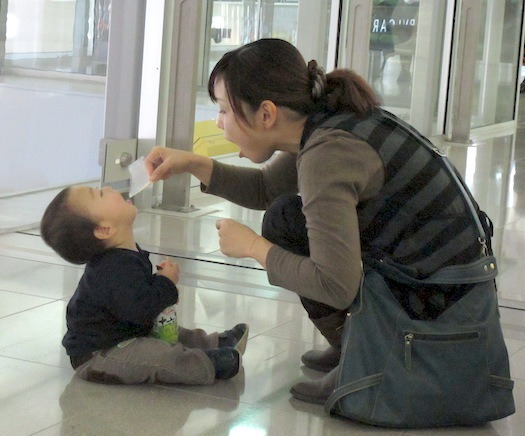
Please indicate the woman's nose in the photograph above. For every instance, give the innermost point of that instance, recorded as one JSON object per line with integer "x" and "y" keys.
{"x": 219, "y": 122}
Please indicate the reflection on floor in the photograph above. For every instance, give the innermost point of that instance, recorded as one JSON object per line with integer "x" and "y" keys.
{"x": 41, "y": 396}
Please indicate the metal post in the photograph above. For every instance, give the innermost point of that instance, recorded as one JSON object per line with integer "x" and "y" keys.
{"x": 464, "y": 66}
{"x": 357, "y": 44}
{"x": 250, "y": 24}
{"x": 489, "y": 76}
{"x": 3, "y": 29}
{"x": 426, "y": 65}
{"x": 311, "y": 30}
{"x": 267, "y": 8}
{"x": 181, "y": 39}
{"x": 80, "y": 37}
{"x": 123, "y": 81}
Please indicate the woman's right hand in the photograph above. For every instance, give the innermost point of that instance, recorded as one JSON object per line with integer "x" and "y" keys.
{"x": 163, "y": 163}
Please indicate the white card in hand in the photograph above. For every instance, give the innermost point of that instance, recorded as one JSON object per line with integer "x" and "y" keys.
{"x": 139, "y": 177}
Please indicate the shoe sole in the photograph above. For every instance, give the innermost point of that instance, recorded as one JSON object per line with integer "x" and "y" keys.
{"x": 240, "y": 346}
{"x": 329, "y": 362}
{"x": 318, "y": 367}
{"x": 306, "y": 398}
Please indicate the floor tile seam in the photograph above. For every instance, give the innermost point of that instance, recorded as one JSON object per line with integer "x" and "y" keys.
{"x": 516, "y": 306}
{"x": 507, "y": 337}
{"x": 11, "y": 250}
{"x": 281, "y": 324}
{"x": 509, "y": 225}
{"x": 49, "y": 427}
{"x": 28, "y": 225}
{"x": 22, "y": 254}
{"x": 3, "y": 289}
{"x": 207, "y": 394}
{"x": 519, "y": 350}
{"x": 295, "y": 341}
{"x": 519, "y": 343}
{"x": 30, "y": 308}
{"x": 238, "y": 401}
{"x": 512, "y": 328}
{"x": 266, "y": 359}
{"x": 18, "y": 359}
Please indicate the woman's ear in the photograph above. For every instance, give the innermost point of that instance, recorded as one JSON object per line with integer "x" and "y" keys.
{"x": 268, "y": 113}
{"x": 104, "y": 231}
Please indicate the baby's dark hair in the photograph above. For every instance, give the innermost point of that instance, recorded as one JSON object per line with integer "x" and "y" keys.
{"x": 69, "y": 233}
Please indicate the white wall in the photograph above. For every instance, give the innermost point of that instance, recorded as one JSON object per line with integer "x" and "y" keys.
{"x": 48, "y": 138}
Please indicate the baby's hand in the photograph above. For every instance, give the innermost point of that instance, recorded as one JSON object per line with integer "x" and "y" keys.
{"x": 170, "y": 270}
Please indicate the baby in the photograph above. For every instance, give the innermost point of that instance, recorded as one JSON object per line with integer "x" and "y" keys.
{"x": 112, "y": 312}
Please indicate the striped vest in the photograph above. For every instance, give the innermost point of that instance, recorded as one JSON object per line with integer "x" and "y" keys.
{"x": 420, "y": 218}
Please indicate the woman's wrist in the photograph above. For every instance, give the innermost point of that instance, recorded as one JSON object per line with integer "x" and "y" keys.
{"x": 259, "y": 250}
{"x": 201, "y": 167}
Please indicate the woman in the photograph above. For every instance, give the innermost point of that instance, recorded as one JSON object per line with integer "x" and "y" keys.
{"x": 350, "y": 182}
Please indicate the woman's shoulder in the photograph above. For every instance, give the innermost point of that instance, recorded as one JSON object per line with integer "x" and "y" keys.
{"x": 339, "y": 157}
{"x": 340, "y": 142}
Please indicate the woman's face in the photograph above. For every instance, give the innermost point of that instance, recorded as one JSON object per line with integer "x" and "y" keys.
{"x": 252, "y": 140}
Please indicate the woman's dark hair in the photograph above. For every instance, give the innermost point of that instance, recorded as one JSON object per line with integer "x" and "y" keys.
{"x": 273, "y": 69}
{"x": 69, "y": 233}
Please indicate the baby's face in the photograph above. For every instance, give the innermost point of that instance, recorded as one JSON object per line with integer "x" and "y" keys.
{"x": 104, "y": 204}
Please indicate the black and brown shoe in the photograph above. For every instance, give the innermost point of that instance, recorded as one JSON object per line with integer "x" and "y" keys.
{"x": 237, "y": 338}
{"x": 226, "y": 361}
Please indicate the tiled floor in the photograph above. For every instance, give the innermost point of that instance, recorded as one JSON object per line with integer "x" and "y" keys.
{"x": 40, "y": 395}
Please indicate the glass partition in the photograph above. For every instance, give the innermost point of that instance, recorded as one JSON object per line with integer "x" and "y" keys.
{"x": 407, "y": 40}
{"x": 57, "y": 35}
{"x": 497, "y": 65}
{"x": 53, "y": 57}
{"x": 392, "y": 49}
{"x": 230, "y": 24}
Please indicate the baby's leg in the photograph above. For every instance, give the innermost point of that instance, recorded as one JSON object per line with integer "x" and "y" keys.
{"x": 198, "y": 338}
{"x": 149, "y": 360}
{"x": 237, "y": 338}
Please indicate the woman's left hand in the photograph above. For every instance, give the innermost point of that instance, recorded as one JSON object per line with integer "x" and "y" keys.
{"x": 235, "y": 239}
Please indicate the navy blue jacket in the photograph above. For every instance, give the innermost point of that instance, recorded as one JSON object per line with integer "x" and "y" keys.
{"x": 117, "y": 298}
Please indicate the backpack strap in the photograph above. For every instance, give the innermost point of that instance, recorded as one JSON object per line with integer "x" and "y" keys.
{"x": 478, "y": 271}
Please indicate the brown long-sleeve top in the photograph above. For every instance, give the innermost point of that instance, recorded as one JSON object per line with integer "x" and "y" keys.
{"x": 333, "y": 172}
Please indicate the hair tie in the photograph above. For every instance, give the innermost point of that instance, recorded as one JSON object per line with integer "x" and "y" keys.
{"x": 317, "y": 79}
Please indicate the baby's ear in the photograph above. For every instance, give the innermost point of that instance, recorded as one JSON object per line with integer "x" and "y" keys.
{"x": 104, "y": 231}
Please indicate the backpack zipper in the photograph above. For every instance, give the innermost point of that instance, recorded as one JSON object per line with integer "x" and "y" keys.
{"x": 411, "y": 336}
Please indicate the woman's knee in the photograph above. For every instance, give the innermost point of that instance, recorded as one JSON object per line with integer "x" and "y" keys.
{"x": 284, "y": 224}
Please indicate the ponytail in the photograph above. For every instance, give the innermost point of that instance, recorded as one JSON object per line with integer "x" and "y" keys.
{"x": 346, "y": 91}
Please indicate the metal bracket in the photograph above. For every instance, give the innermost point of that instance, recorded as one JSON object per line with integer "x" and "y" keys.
{"x": 118, "y": 154}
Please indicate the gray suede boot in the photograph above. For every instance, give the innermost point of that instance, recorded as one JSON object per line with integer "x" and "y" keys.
{"x": 315, "y": 391}
{"x": 322, "y": 360}
{"x": 331, "y": 327}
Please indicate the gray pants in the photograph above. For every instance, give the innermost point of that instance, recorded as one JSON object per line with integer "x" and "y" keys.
{"x": 151, "y": 360}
